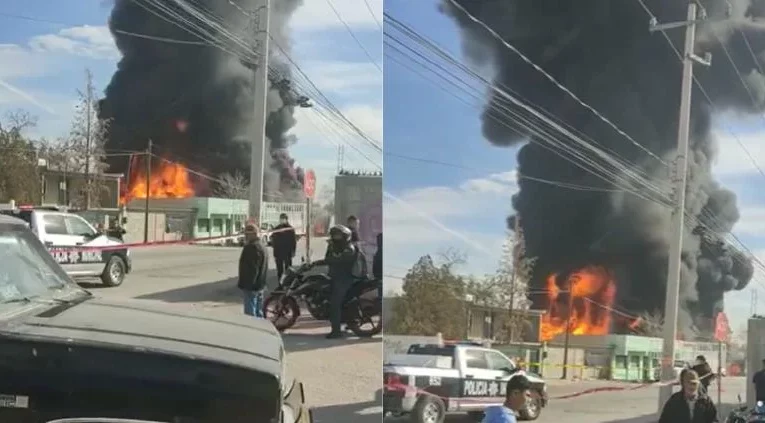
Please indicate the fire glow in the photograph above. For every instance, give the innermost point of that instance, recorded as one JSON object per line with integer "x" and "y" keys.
{"x": 592, "y": 290}
{"x": 168, "y": 180}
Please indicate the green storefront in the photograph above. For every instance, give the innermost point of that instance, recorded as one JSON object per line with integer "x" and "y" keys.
{"x": 638, "y": 358}
{"x": 218, "y": 216}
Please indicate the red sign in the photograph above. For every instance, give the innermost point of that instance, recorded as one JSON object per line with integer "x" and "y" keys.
{"x": 309, "y": 186}
{"x": 721, "y": 327}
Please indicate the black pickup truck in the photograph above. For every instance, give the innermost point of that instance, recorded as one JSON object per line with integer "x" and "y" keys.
{"x": 65, "y": 353}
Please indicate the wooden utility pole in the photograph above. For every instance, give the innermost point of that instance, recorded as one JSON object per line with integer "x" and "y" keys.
{"x": 148, "y": 194}
{"x": 516, "y": 258}
{"x": 568, "y": 325}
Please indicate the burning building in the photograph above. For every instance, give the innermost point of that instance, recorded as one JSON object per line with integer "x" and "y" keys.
{"x": 194, "y": 100}
{"x": 606, "y": 247}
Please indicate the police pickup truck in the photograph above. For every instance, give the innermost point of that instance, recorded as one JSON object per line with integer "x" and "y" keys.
{"x": 66, "y": 354}
{"x": 75, "y": 244}
{"x": 432, "y": 380}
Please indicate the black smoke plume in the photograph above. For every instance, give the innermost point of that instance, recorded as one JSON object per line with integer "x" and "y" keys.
{"x": 196, "y": 101}
{"x": 602, "y": 51}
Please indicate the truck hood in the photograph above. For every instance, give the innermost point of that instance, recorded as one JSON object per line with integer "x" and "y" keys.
{"x": 144, "y": 326}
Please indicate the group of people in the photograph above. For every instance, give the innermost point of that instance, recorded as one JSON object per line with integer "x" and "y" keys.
{"x": 690, "y": 405}
{"x": 344, "y": 259}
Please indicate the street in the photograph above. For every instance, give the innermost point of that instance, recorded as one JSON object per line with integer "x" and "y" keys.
{"x": 629, "y": 406}
{"x": 342, "y": 377}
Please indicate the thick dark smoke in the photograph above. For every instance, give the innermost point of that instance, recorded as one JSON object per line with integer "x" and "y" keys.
{"x": 159, "y": 84}
{"x": 602, "y": 51}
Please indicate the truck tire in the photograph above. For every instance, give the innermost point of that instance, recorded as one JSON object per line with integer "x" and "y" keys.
{"x": 532, "y": 410}
{"x": 114, "y": 271}
{"x": 429, "y": 409}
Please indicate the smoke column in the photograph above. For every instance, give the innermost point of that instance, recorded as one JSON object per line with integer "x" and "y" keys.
{"x": 159, "y": 84}
{"x": 602, "y": 51}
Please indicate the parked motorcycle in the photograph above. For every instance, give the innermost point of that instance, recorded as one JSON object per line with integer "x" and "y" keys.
{"x": 744, "y": 414}
{"x": 362, "y": 310}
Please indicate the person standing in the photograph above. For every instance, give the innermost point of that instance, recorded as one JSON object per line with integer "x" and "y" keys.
{"x": 377, "y": 266}
{"x": 284, "y": 244}
{"x": 353, "y": 225}
{"x": 517, "y": 393}
{"x": 341, "y": 259}
{"x": 253, "y": 268}
{"x": 759, "y": 383}
{"x": 704, "y": 370}
{"x": 689, "y": 405}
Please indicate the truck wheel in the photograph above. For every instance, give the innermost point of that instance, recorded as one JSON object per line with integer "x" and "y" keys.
{"x": 532, "y": 410}
{"x": 114, "y": 272}
{"x": 429, "y": 409}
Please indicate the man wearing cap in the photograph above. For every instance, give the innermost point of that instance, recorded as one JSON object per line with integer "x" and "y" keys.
{"x": 284, "y": 244}
{"x": 253, "y": 269}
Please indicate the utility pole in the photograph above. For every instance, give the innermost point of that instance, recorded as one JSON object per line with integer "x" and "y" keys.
{"x": 260, "y": 21}
{"x": 88, "y": 104}
{"x": 568, "y": 326}
{"x": 679, "y": 178}
{"x": 516, "y": 259}
{"x": 148, "y": 194}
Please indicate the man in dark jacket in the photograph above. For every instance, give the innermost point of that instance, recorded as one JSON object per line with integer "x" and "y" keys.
{"x": 353, "y": 225}
{"x": 704, "y": 370}
{"x": 341, "y": 259}
{"x": 689, "y": 405}
{"x": 377, "y": 266}
{"x": 284, "y": 244}
{"x": 253, "y": 269}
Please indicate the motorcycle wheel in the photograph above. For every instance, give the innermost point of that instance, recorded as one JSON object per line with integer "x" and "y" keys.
{"x": 367, "y": 312}
{"x": 283, "y": 311}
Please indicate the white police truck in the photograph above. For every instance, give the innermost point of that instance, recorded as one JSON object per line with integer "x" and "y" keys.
{"x": 78, "y": 247}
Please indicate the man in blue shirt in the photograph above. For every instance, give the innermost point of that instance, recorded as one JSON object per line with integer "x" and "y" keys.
{"x": 517, "y": 393}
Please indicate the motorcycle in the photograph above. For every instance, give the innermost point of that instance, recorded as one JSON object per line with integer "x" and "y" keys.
{"x": 361, "y": 306}
{"x": 743, "y": 414}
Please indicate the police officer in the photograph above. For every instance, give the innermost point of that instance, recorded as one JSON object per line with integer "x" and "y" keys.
{"x": 341, "y": 258}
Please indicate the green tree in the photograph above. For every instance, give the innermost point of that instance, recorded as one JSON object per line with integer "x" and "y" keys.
{"x": 433, "y": 300}
{"x": 19, "y": 173}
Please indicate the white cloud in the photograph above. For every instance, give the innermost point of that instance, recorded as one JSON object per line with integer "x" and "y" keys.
{"x": 344, "y": 77}
{"x": 90, "y": 41}
{"x": 409, "y": 235}
{"x": 751, "y": 223}
{"x": 369, "y": 119}
{"x": 448, "y": 202}
{"x": 316, "y": 15}
{"x": 732, "y": 160}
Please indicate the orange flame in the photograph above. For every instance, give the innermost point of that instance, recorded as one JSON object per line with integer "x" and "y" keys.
{"x": 591, "y": 294}
{"x": 169, "y": 180}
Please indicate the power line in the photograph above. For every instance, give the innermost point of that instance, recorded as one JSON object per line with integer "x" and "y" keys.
{"x": 374, "y": 16}
{"x": 350, "y": 32}
{"x": 552, "y": 79}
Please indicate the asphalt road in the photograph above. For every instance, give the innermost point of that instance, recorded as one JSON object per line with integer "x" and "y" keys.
{"x": 628, "y": 406}
{"x": 342, "y": 377}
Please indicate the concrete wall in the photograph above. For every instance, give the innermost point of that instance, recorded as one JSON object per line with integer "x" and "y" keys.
{"x": 399, "y": 344}
{"x": 53, "y": 182}
{"x": 158, "y": 228}
{"x": 755, "y": 353}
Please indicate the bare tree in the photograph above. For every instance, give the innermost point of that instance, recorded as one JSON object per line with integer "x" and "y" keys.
{"x": 19, "y": 176}
{"x": 83, "y": 150}
{"x": 233, "y": 186}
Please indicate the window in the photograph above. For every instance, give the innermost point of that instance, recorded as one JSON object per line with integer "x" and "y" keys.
{"x": 55, "y": 224}
{"x": 476, "y": 359}
{"x": 218, "y": 225}
{"x": 203, "y": 225}
{"x": 78, "y": 226}
{"x": 498, "y": 361}
{"x": 620, "y": 361}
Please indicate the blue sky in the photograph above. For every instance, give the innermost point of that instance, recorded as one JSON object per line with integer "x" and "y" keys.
{"x": 422, "y": 120}
{"x": 42, "y": 65}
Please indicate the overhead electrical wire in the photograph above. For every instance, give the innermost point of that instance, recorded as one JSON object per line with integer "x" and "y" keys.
{"x": 350, "y": 32}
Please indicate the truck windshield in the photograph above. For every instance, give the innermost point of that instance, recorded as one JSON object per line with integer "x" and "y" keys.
{"x": 27, "y": 269}
{"x": 446, "y": 351}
